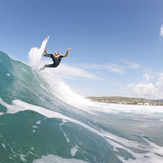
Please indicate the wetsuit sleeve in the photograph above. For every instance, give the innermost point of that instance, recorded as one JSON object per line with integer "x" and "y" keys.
{"x": 65, "y": 54}
{"x": 46, "y": 54}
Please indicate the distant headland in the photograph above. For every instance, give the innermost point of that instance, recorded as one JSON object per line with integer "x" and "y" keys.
{"x": 127, "y": 100}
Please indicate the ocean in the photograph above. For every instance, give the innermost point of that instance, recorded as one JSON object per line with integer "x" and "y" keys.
{"x": 43, "y": 121}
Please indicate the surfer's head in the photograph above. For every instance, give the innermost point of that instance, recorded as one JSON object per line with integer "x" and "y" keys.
{"x": 56, "y": 53}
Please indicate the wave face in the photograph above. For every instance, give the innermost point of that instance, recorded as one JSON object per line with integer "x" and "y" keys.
{"x": 43, "y": 120}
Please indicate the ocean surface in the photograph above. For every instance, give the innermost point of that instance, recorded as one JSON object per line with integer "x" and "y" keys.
{"x": 43, "y": 121}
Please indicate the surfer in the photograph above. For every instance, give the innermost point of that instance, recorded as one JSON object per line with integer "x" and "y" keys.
{"x": 56, "y": 59}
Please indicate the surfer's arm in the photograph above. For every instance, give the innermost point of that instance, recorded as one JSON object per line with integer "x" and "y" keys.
{"x": 66, "y": 53}
{"x": 46, "y": 54}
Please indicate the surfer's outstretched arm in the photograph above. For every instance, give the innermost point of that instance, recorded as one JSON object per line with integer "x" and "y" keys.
{"x": 66, "y": 53}
{"x": 46, "y": 54}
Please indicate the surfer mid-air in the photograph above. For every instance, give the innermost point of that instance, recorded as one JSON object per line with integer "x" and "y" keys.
{"x": 56, "y": 59}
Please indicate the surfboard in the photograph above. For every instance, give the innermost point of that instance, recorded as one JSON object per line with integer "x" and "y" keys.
{"x": 42, "y": 48}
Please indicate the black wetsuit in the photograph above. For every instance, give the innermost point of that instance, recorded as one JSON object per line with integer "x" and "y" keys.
{"x": 56, "y": 60}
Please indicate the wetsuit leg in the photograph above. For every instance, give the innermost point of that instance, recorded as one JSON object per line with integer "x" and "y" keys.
{"x": 55, "y": 64}
{"x": 53, "y": 58}
{"x": 47, "y": 65}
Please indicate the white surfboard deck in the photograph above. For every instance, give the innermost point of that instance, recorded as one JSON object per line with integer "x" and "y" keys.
{"x": 42, "y": 48}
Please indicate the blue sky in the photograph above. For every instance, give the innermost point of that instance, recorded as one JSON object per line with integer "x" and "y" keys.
{"x": 116, "y": 45}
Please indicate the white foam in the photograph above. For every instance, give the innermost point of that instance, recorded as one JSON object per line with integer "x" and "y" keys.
{"x": 63, "y": 91}
{"x": 4, "y": 146}
{"x": 34, "y": 57}
{"x": 151, "y": 151}
{"x": 35, "y": 126}
{"x": 24, "y": 70}
{"x": 149, "y": 155}
{"x": 18, "y": 106}
{"x": 38, "y": 122}
{"x": 73, "y": 151}
{"x": 52, "y": 158}
{"x": 22, "y": 158}
{"x": 42, "y": 86}
{"x": 67, "y": 139}
{"x": 1, "y": 113}
{"x": 8, "y": 74}
{"x": 134, "y": 109}
{"x": 35, "y": 54}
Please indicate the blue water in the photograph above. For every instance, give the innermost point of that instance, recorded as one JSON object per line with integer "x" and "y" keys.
{"x": 43, "y": 120}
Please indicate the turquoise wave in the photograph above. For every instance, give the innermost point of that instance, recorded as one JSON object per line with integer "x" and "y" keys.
{"x": 37, "y": 125}
{"x": 27, "y": 135}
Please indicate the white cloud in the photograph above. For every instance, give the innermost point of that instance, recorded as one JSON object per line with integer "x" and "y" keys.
{"x": 66, "y": 71}
{"x": 94, "y": 66}
{"x": 143, "y": 89}
{"x": 147, "y": 88}
{"x": 114, "y": 68}
{"x": 109, "y": 66}
{"x": 133, "y": 65}
{"x": 161, "y": 31}
{"x": 146, "y": 76}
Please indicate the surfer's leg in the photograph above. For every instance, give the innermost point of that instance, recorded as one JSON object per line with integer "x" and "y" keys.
{"x": 42, "y": 68}
{"x": 47, "y": 65}
{"x": 53, "y": 58}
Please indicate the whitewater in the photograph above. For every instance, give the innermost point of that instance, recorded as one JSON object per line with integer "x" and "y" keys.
{"x": 42, "y": 120}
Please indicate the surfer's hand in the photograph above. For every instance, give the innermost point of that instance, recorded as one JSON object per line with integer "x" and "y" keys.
{"x": 68, "y": 49}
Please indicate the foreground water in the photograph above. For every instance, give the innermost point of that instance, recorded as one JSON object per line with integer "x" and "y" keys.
{"x": 42, "y": 120}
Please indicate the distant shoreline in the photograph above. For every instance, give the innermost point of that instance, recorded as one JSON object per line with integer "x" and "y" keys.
{"x": 127, "y": 100}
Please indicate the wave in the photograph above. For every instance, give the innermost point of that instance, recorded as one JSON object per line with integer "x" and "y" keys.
{"x": 57, "y": 86}
{"x": 43, "y": 120}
